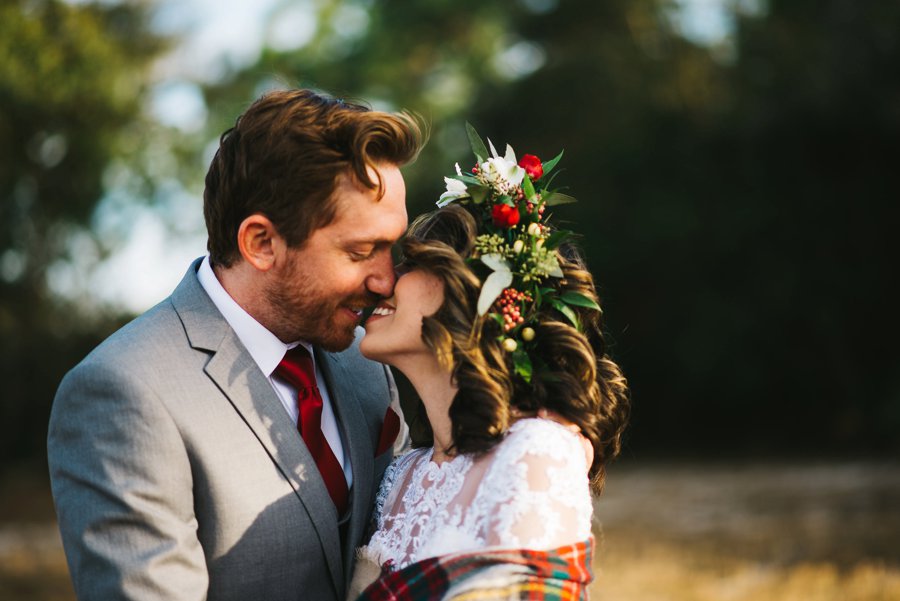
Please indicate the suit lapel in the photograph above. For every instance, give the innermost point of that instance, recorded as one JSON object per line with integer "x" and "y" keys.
{"x": 250, "y": 393}
{"x": 342, "y": 390}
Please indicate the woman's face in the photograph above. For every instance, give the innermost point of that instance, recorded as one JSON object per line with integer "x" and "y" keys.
{"x": 394, "y": 330}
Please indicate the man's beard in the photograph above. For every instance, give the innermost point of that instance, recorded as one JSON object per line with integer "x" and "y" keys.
{"x": 300, "y": 311}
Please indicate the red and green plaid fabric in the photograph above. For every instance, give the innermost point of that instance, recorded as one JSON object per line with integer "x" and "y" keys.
{"x": 561, "y": 574}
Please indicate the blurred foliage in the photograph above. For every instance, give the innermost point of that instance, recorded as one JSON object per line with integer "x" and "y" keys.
{"x": 737, "y": 199}
{"x": 71, "y": 82}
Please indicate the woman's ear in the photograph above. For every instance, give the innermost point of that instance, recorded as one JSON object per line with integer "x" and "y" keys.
{"x": 259, "y": 242}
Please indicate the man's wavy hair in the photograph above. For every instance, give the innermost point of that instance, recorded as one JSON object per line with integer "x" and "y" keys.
{"x": 578, "y": 380}
{"x": 283, "y": 158}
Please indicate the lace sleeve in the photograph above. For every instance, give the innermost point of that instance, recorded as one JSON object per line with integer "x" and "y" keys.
{"x": 536, "y": 488}
{"x": 387, "y": 484}
{"x": 387, "y": 492}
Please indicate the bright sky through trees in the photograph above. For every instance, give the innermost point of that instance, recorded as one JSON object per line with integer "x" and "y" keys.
{"x": 221, "y": 35}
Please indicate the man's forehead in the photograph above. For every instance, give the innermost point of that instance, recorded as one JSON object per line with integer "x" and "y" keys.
{"x": 363, "y": 215}
{"x": 365, "y": 220}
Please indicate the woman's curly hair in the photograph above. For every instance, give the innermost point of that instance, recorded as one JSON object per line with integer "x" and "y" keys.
{"x": 576, "y": 378}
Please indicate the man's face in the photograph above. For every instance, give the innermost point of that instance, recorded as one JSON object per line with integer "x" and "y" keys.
{"x": 341, "y": 268}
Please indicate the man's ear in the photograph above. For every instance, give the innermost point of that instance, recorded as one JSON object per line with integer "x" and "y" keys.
{"x": 259, "y": 242}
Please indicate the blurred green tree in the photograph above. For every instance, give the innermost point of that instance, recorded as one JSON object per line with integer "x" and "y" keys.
{"x": 743, "y": 201}
{"x": 71, "y": 83}
{"x": 738, "y": 198}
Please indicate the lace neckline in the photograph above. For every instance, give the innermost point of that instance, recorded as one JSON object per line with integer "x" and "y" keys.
{"x": 444, "y": 465}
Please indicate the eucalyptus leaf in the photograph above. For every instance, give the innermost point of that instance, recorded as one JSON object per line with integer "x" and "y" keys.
{"x": 493, "y": 286}
{"x": 558, "y": 198}
{"x": 477, "y": 143}
{"x": 549, "y": 165}
{"x": 579, "y": 300}
{"x": 567, "y": 311}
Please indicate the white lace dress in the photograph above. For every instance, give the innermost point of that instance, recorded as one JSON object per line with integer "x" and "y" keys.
{"x": 530, "y": 491}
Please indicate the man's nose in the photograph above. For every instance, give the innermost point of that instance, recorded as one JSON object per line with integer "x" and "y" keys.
{"x": 383, "y": 277}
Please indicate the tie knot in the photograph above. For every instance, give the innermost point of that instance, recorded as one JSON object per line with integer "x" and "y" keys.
{"x": 296, "y": 368}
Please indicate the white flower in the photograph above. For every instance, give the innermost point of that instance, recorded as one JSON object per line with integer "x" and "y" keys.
{"x": 502, "y": 170}
{"x": 455, "y": 189}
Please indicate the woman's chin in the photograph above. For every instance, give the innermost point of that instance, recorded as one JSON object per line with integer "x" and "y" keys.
{"x": 368, "y": 347}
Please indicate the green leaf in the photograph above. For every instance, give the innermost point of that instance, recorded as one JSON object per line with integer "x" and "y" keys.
{"x": 567, "y": 311}
{"x": 546, "y": 183}
{"x": 549, "y": 165}
{"x": 528, "y": 188}
{"x": 467, "y": 179}
{"x": 522, "y": 364}
{"x": 558, "y": 198}
{"x": 579, "y": 300}
{"x": 477, "y": 143}
{"x": 556, "y": 238}
{"x": 478, "y": 193}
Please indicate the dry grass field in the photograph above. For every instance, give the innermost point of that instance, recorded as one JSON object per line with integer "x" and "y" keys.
{"x": 664, "y": 533}
{"x": 749, "y": 533}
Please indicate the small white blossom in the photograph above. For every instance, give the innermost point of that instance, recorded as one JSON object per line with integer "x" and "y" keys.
{"x": 504, "y": 171}
{"x": 455, "y": 189}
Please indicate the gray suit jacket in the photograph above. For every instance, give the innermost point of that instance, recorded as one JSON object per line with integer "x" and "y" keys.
{"x": 177, "y": 473}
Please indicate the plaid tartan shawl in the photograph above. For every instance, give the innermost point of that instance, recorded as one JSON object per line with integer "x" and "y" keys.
{"x": 561, "y": 574}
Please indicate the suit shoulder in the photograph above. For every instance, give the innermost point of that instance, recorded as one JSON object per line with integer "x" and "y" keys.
{"x": 135, "y": 341}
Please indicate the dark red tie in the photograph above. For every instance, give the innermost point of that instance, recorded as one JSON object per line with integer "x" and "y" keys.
{"x": 297, "y": 370}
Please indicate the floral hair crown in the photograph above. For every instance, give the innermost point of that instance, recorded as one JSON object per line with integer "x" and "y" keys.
{"x": 517, "y": 243}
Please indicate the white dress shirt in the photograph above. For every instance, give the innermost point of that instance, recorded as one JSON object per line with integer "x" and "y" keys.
{"x": 268, "y": 351}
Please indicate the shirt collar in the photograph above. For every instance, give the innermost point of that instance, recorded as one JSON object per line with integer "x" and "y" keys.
{"x": 264, "y": 347}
